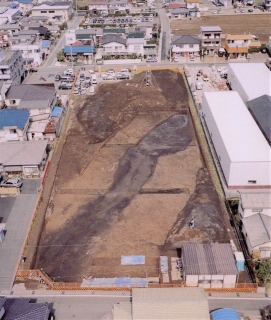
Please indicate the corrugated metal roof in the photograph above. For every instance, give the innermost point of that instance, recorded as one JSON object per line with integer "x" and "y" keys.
{"x": 243, "y": 140}
{"x": 258, "y": 229}
{"x": 260, "y": 109}
{"x": 12, "y": 117}
{"x": 107, "y": 38}
{"x": 22, "y": 153}
{"x": 256, "y": 200}
{"x": 210, "y": 29}
{"x": 208, "y": 259}
{"x": 169, "y": 303}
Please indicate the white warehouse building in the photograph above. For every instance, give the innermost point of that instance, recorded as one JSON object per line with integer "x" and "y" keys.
{"x": 250, "y": 80}
{"x": 241, "y": 149}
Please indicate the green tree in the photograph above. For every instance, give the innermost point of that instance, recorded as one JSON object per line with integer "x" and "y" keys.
{"x": 63, "y": 26}
{"x": 263, "y": 270}
{"x": 60, "y": 56}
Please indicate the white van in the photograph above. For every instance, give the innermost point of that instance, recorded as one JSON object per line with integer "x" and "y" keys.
{"x": 94, "y": 79}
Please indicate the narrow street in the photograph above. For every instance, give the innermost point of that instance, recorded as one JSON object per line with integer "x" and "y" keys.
{"x": 165, "y": 31}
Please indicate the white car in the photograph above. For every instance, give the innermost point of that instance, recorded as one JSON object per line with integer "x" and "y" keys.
{"x": 108, "y": 77}
{"x": 68, "y": 72}
{"x": 151, "y": 59}
{"x": 91, "y": 72}
{"x": 76, "y": 90}
{"x": 11, "y": 183}
{"x": 92, "y": 90}
{"x": 176, "y": 59}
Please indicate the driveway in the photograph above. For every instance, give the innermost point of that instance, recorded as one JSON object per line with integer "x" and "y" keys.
{"x": 6, "y": 204}
{"x": 30, "y": 186}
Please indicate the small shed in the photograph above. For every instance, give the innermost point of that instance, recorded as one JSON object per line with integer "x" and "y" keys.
{"x": 209, "y": 265}
{"x": 226, "y": 313}
{"x": 240, "y": 260}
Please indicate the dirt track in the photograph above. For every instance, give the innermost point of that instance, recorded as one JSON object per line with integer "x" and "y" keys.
{"x": 130, "y": 178}
{"x": 257, "y": 24}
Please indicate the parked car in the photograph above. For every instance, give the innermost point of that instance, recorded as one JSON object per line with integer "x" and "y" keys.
{"x": 108, "y": 77}
{"x": 127, "y": 70}
{"x": 68, "y": 72}
{"x": 91, "y": 72}
{"x": 11, "y": 183}
{"x": 57, "y": 77}
{"x": 76, "y": 90}
{"x": 176, "y": 59}
{"x": 192, "y": 58}
{"x": 250, "y": 10}
{"x": 205, "y": 77}
{"x": 122, "y": 76}
{"x": 82, "y": 77}
{"x": 65, "y": 86}
{"x": 33, "y": 70}
{"x": 151, "y": 59}
{"x": 110, "y": 71}
{"x": 87, "y": 84}
{"x": 92, "y": 90}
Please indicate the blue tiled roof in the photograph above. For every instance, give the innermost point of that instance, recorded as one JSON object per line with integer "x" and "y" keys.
{"x": 45, "y": 44}
{"x": 78, "y": 49}
{"x": 56, "y": 112}
{"x": 10, "y": 117}
{"x": 25, "y": 1}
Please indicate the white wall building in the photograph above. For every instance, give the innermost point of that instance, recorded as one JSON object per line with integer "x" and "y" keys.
{"x": 31, "y": 50}
{"x": 98, "y": 7}
{"x": 57, "y": 13}
{"x": 11, "y": 66}
{"x": 253, "y": 203}
{"x": 250, "y": 80}
{"x": 183, "y": 45}
{"x": 135, "y": 45}
{"x": 241, "y": 149}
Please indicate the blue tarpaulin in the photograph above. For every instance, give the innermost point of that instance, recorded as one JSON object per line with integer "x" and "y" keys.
{"x": 132, "y": 260}
{"x": 225, "y": 314}
{"x": 115, "y": 282}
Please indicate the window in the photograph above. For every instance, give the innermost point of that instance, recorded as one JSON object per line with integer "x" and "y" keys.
{"x": 207, "y": 35}
{"x": 252, "y": 182}
{"x": 12, "y": 131}
{"x": 245, "y": 41}
{"x": 29, "y": 170}
{"x": 12, "y": 102}
{"x": 42, "y": 11}
{"x": 181, "y": 46}
{"x": 51, "y": 11}
{"x": 191, "y": 46}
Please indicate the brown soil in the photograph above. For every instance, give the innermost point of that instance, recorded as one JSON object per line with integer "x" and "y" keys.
{"x": 129, "y": 180}
{"x": 257, "y": 24}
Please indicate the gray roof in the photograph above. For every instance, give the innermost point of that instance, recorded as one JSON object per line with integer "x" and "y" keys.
{"x": 32, "y": 96}
{"x": 107, "y": 38}
{"x": 260, "y": 109}
{"x": 38, "y": 18}
{"x": 208, "y": 259}
{"x": 211, "y": 29}
{"x": 256, "y": 200}
{"x": 22, "y": 153}
{"x": 186, "y": 39}
{"x": 180, "y": 11}
{"x": 9, "y": 55}
{"x": 10, "y": 27}
{"x": 169, "y": 303}
{"x": 258, "y": 228}
{"x": 22, "y": 309}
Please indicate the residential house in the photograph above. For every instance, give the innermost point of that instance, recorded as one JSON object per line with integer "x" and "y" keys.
{"x": 209, "y": 265}
{"x": 13, "y": 125}
{"x": 118, "y": 6}
{"x": 184, "y": 45}
{"x": 86, "y": 36}
{"x": 11, "y": 66}
{"x": 8, "y": 15}
{"x": 150, "y": 50}
{"x": 191, "y": 4}
{"x": 237, "y": 45}
{"x": 41, "y": 31}
{"x": 19, "y": 308}
{"x": 30, "y": 47}
{"x": 253, "y": 203}
{"x": 256, "y": 230}
{"x": 260, "y": 109}
{"x": 34, "y": 21}
{"x": 11, "y": 28}
{"x": 4, "y": 39}
{"x": 45, "y": 48}
{"x": 163, "y": 303}
{"x": 39, "y": 99}
{"x": 179, "y": 13}
{"x": 25, "y": 5}
{"x": 113, "y": 45}
{"x": 119, "y": 31}
{"x": 79, "y": 50}
{"x": 211, "y": 38}
{"x": 135, "y": 45}
{"x": 26, "y": 158}
{"x": 176, "y": 5}
{"x": 57, "y": 12}
{"x": 98, "y": 7}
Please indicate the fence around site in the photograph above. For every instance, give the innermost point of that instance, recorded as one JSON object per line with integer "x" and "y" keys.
{"x": 38, "y": 274}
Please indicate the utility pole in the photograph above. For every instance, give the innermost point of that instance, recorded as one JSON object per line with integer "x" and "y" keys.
{"x": 71, "y": 57}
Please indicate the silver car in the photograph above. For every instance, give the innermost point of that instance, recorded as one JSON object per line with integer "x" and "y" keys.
{"x": 8, "y": 183}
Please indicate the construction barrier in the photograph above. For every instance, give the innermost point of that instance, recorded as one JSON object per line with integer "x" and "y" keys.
{"x": 42, "y": 276}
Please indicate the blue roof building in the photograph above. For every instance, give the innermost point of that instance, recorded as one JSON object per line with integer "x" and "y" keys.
{"x": 45, "y": 44}
{"x": 13, "y": 5}
{"x": 57, "y": 111}
{"x": 25, "y": 1}
{"x": 13, "y": 118}
{"x": 84, "y": 50}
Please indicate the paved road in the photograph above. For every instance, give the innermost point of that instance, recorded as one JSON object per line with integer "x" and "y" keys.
{"x": 17, "y": 227}
{"x": 166, "y": 33}
{"x": 61, "y": 42}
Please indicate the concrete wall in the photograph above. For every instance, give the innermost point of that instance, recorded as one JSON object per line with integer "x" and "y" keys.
{"x": 235, "y": 84}
{"x": 247, "y": 212}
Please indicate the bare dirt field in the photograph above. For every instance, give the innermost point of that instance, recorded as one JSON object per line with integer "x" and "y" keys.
{"x": 258, "y": 24}
{"x": 130, "y": 179}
